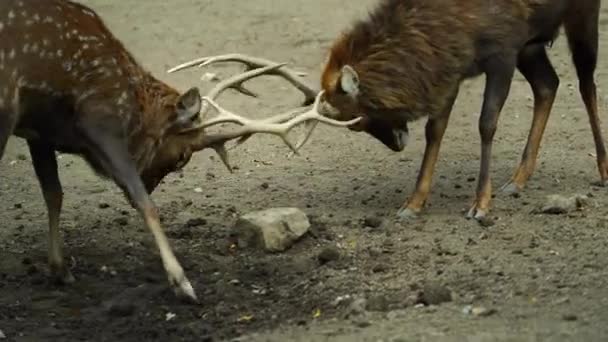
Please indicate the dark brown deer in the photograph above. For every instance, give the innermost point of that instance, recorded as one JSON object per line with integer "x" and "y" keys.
{"x": 67, "y": 84}
{"x": 408, "y": 59}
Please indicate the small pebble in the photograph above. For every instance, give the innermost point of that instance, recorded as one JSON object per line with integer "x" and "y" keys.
{"x": 121, "y": 221}
{"x": 196, "y": 222}
{"x": 434, "y": 294}
{"x": 378, "y": 303}
{"x": 373, "y": 222}
{"x": 103, "y": 205}
{"x": 570, "y": 317}
{"x": 357, "y": 307}
{"x": 209, "y": 77}
{"x": 2, "y": 336}
{"x": 362, "y": 322}
{"x": 329, "y": 254}
{"x": 486, "y": 222}
{"x": 265, "y": 186}
{"x": 482, "y": 312}
{"x": 121, "y": 309}
{"x": 379, "y": 268}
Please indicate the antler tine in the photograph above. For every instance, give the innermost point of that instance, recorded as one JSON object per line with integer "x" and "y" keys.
{"x": 230, "y": 83}
{"x": 237, "y": 80}
{"x": 276, "y": 125}
{"x": 251, "y": 62}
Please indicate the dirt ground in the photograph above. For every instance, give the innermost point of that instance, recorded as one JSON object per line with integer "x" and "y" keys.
{"x": 539, "y": 277}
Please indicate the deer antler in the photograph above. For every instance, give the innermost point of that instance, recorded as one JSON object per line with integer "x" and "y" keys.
{"x": 279, "y": 125}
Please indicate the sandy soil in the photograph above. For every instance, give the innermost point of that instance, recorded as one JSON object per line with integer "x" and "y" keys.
{"x": 544, "y": 277}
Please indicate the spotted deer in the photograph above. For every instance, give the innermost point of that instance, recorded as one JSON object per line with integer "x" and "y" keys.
{"x": 407, "y": 60}
{"x": 68, "y": 84}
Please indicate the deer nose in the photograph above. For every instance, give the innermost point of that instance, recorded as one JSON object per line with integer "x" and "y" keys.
{"x": 400, "y": 138}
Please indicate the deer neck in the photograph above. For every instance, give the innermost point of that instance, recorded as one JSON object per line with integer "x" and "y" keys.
{"x": 154, "y": 101}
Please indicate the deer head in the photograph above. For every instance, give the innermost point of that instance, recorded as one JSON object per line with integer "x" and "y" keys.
{"x": 185, "y": 131}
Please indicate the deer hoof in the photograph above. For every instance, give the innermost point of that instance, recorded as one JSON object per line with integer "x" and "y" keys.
{"x": 62, "y": 275}
{"x": 600, "y": 183}
{"x": 406, "y": 214}
{"x": 510, "y": 189}
{"x": 184, "y": 290}
{"x": 476, "y": 213}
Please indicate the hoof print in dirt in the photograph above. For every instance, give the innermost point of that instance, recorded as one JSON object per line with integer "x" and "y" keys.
{"x": 273, "y": 230}
{"x": 434, "y": 294}
{"x": 557, "y": 204}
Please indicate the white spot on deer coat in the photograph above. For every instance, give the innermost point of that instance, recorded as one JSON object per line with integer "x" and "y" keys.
{"x": 122, "y": 99}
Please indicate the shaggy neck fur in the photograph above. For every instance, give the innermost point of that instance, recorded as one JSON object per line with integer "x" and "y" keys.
{"x": 410, "y": 55}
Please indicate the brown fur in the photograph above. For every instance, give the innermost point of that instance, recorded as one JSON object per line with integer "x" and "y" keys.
{"x": 410, "y": 57}
{"x": 148, "y": 106}
{"x": 411, "y": 54}
{"x": 67, "y": 84}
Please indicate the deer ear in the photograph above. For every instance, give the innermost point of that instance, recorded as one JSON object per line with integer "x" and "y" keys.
{"x": 188, "y": 107}
{"x": 349, "y": 81}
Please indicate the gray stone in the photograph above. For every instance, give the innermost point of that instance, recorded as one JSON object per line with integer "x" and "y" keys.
{"x": 274, "y": 230}
{"x": 557, "y": 204}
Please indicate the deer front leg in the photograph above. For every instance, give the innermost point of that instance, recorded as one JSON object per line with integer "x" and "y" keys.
{"x": 45, "y": 167}
{"x": 112, "y": 153}
{"x": 434, "y": 130}
{"x": 499, "y": 74}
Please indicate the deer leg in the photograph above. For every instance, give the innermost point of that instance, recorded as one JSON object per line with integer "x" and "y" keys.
{"x": 45, "y": 166}
{"x": 537, "y": 69}
{"x": 112, "y": 154}
{"x": 582, "y": 32}
{"x": 434, "y": 130}
{"x": 499, "y": 73}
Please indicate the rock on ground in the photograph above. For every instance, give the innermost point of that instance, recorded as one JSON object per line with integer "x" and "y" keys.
{"x": 557, "y": 204}
{"x": 274, "y": 230}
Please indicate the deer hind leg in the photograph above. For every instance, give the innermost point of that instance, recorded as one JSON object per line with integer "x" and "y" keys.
{"x": 534, "y": 64}
{"x": 111, "y": 152}
{"x": 582, "y": 32}
{"x": 45, "y": 166}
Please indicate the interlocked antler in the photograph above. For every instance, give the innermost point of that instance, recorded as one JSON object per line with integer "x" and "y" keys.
{"x": 279, "y": 125}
